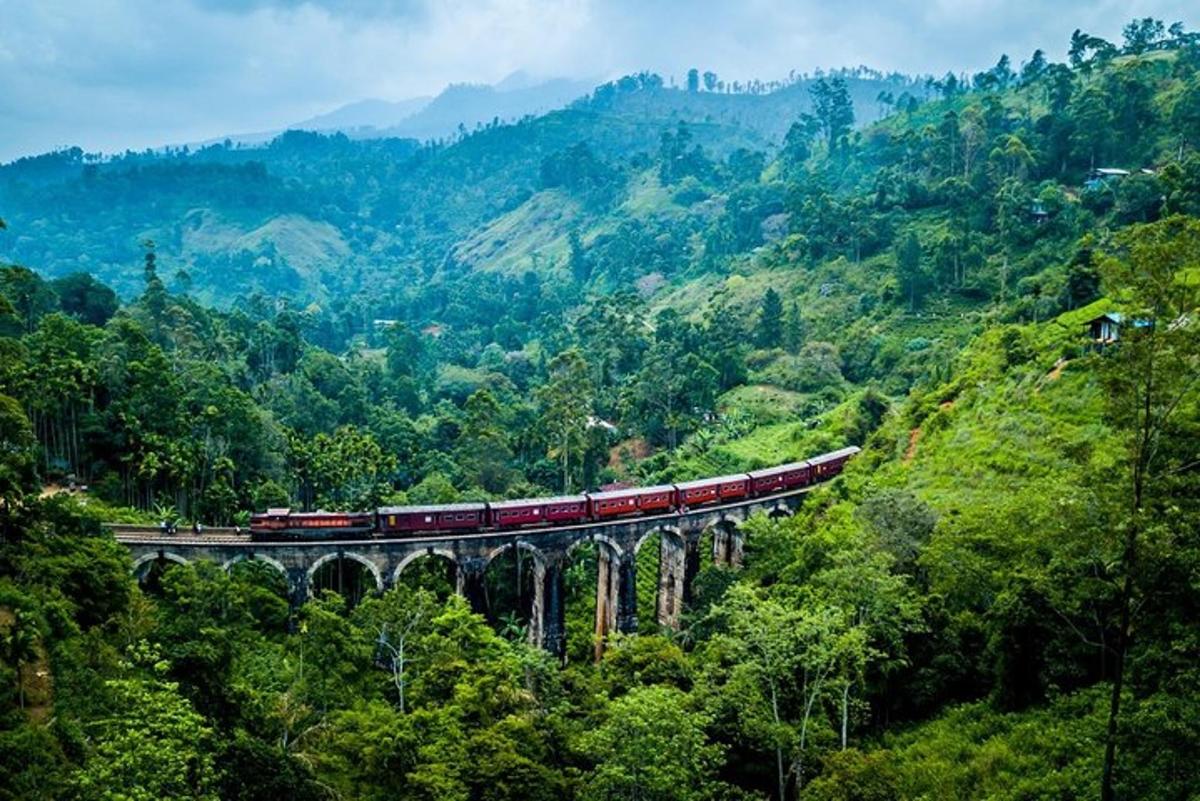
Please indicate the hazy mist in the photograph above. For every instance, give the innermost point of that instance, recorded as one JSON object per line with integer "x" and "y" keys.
{"x": 116, "y": 74}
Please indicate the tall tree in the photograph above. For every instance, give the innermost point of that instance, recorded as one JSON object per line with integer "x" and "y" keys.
{"x": 908, "y": 268}
{"x": 769, "y": 332}
{"x": 1152, "y": 380}
{"x": 20, "y": 647}
{"x": 832, "y": 108}
{"x": 18, "y": 477}
{"x": 565, "y": 405}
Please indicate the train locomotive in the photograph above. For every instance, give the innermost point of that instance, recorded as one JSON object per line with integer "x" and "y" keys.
{"x": 390, "y": 522}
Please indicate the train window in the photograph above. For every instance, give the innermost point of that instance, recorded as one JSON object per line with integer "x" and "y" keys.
{"x": 428, "y": 519}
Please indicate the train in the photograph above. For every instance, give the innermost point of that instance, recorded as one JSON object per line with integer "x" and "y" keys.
{"x": 390, "y": 522}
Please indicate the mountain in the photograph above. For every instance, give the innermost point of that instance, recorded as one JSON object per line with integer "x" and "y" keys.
{"x": 391, "y": 200}
{"x": 467, "y": 106}
{"x": 364, "y": 114}
{"x": 456, "y": 108}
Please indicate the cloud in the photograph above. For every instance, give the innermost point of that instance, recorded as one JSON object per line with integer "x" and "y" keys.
{"x": 359, "y": 9}
{"x": 116, "y": 74}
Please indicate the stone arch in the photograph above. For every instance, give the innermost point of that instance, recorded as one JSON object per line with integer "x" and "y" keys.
{"x": 538, "y": 556}
{"x": 256, "y": 557}
{"x": 166, "y": 556}
{"x": 663, "y": 530}
{"x": 720, "y": 520}
{"x": 445, "y": 553}
{"x": 376, "y": 575}
{"x": 603, "y": 539}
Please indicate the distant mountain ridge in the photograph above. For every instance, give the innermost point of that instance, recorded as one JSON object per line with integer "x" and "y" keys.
{"x": 458, "y": 107}
{"x": 323, "y": 214}
{"x": 367, "y": 114}
{"x": 472, "y": 105}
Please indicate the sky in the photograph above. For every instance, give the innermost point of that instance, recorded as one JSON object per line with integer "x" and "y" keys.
{"x": 108, "y": 75}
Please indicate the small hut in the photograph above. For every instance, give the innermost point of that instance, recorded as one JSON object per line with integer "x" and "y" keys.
{"x": 1106, "y": 329}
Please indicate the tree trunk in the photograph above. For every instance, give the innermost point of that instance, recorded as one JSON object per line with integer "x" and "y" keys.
{"x": 845, "y": 712}
{"x": 778, "y": 749}
{"x": 1128, "y": 565}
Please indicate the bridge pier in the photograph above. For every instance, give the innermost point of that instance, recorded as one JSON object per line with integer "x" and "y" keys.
{"x": 691, "y": 564}
{"x": 672, "y": 574}
{"x": 551, "y": 611}
{"x": 728, "y": 544}
{"x": 627, "y": 622}
{"x": 468, "y": 583}
{"x": 297, "y": 582}
{"x": 607, "y": 588}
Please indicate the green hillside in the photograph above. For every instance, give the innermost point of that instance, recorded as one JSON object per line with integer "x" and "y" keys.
{"x": 997, "y": 600}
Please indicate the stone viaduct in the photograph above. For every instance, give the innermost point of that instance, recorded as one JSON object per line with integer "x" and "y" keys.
{"x": 384, "y": 560}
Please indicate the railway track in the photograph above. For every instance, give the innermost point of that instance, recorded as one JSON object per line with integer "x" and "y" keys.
{"x": 127, "y": 532}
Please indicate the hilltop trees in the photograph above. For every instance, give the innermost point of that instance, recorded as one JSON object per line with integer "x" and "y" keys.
{"x": 832, "y": 109}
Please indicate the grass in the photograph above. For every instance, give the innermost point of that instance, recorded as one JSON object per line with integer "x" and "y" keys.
{"x": 537, "y": 230}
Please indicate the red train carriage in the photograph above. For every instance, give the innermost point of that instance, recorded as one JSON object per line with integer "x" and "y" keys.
{"x": 828, "y": 465}
{"x": 567, "y": 509}
{"x": 733, "y": 487}
{"x": 285, "y": 523}
{"x": 412, "y": 520}
{"x": 778, "y": 479}
{"x": 662, "y": 498}
{"x": 713, "y": 490}
{"x": 446, "y": 517}
{"x": 538, "y": 511}
{"x": 613, "y": 504}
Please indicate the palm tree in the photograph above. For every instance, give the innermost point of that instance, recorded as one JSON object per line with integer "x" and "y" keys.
{"x": 20, "y": 648}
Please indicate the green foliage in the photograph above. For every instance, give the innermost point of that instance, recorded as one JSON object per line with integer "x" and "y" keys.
{"x": 154, "y": 745}
{"x": 631, "y": 288}
{"x": 651, "y": 747}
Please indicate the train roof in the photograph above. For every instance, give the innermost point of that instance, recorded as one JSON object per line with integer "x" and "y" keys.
{"x": 435, "y": 508}
{"x": 523, "y": 502}
{"x": 704, "y": 482}
{"x": 768, "y": 472}
{"x": 315, "y": 513}
{"x": 632, "y": 491}
{"x": 838, "y": 454}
